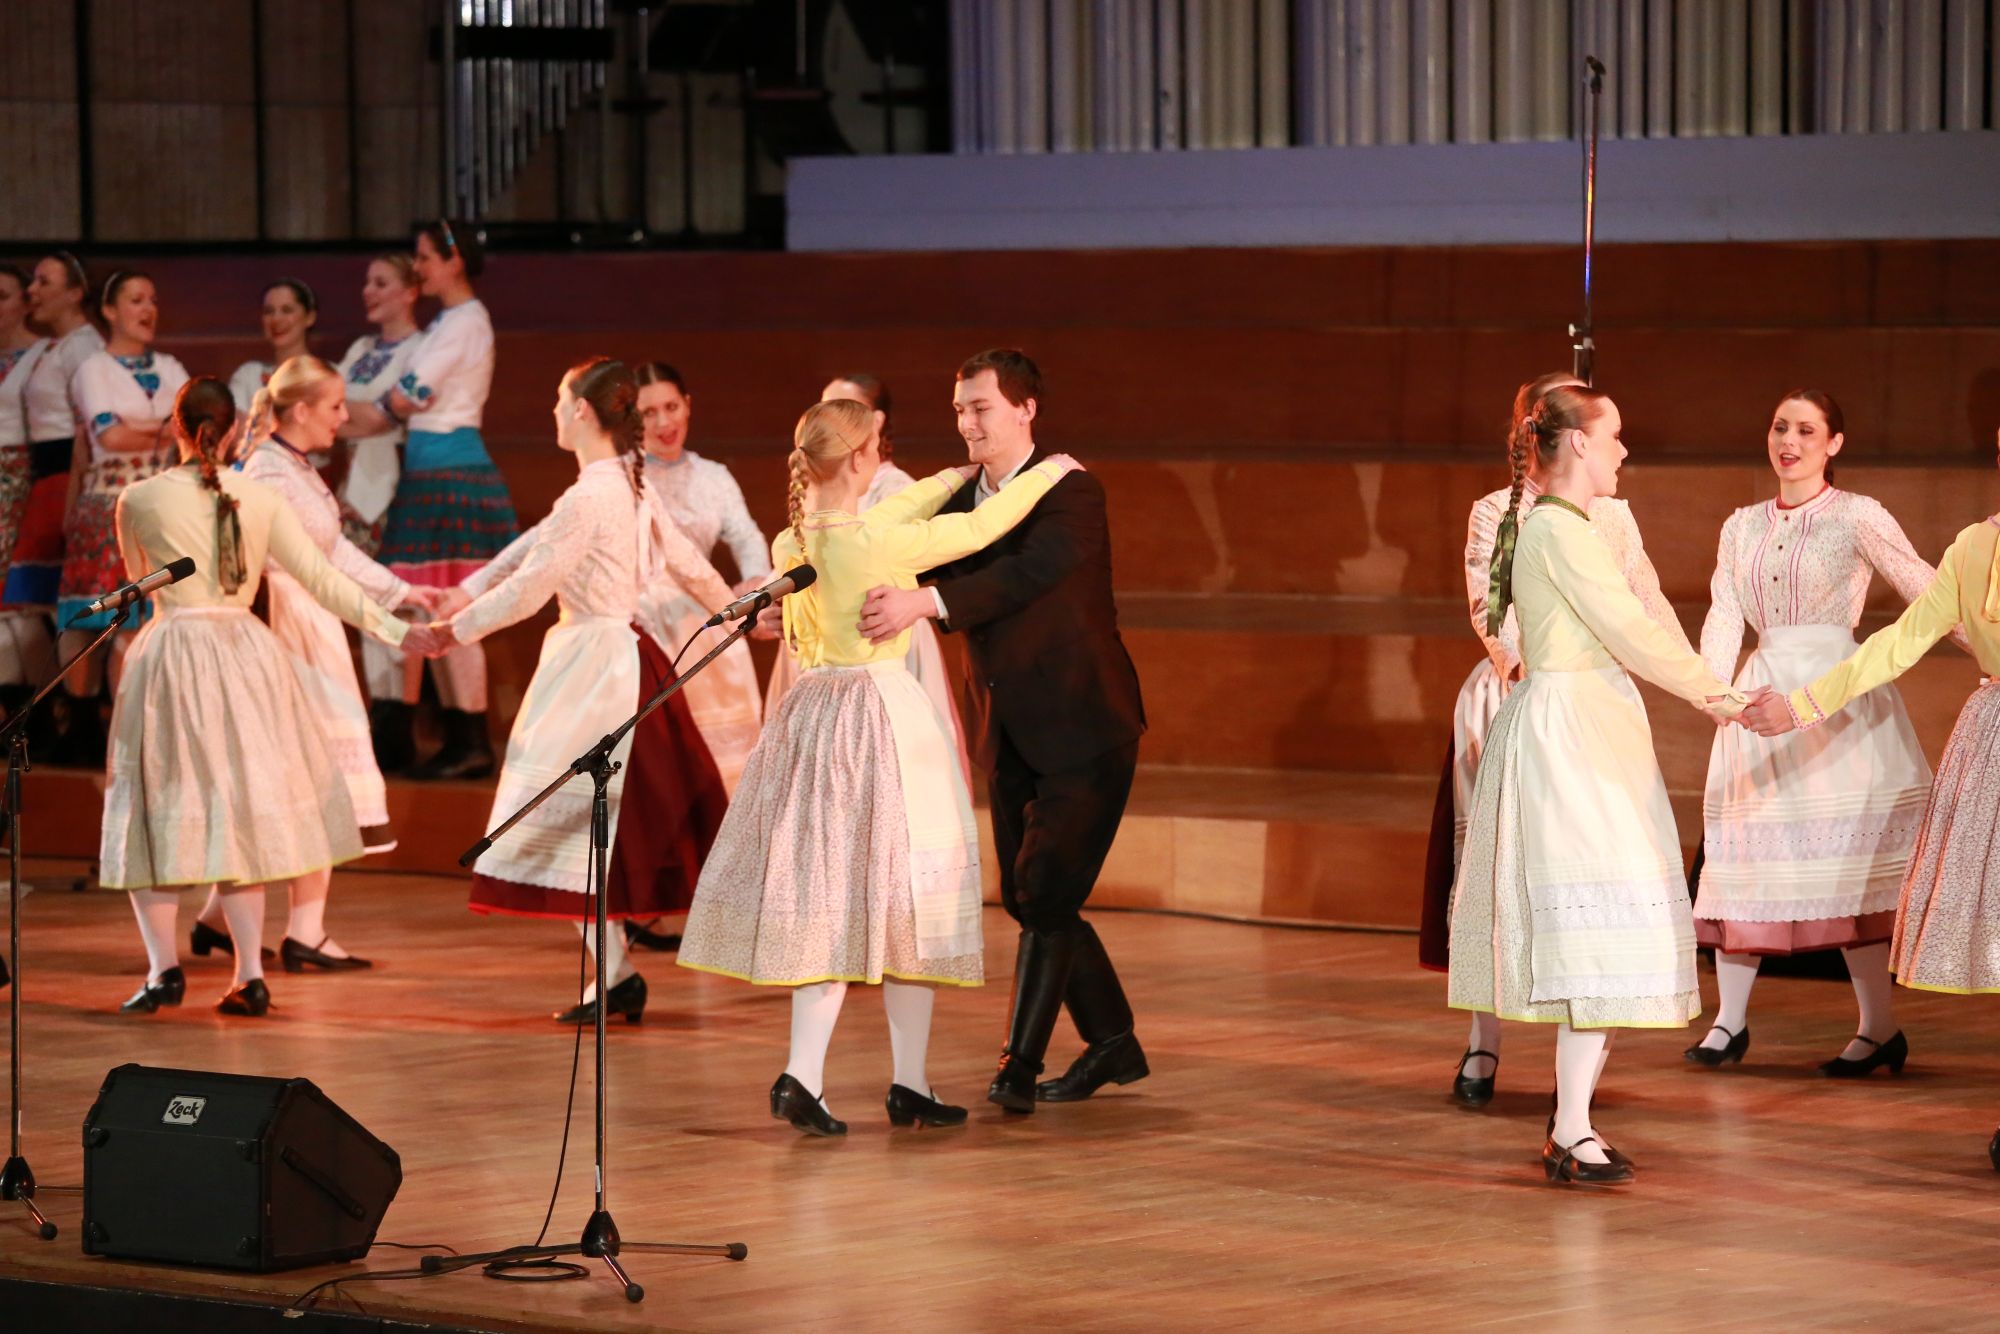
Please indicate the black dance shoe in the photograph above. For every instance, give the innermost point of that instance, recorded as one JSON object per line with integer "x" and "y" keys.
{"x": 1013, "y": 1088}
{"x": 251, "y": 999}
{"x": 1562, "y": 1164}
{"x": 907, "y": 1107}
{"x": 202, "y": 938}
{"x": 1474, "y": 1093}
{"x": 1739, "y": 1042}
{"x": 645, "y": 938}
{"x": 1609, "y": 1152}
{"x": 297, "y": 956}
{"x": 150, "y": 997}
{"x": 1116, "y": 1060}
{"x": 1993, "y": 1150}
{"x": 1891, "y": 1053}
{"x": 791, "y": 1102}
{"x": 627, "y": 998}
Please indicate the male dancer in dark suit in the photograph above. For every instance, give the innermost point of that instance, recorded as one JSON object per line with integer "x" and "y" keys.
{"x": 1056, "y": 725}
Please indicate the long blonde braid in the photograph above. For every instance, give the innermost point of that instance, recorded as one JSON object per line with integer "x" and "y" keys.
{"x": 828, "y": 434}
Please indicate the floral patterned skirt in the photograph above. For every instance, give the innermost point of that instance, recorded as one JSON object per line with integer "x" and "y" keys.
{"x": 1948, "y": 927}
{"x": 92, "y": 564}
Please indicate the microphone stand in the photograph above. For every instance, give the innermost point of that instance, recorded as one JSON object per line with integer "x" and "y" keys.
{"x": 600, "y": 1238}
{"x": 17, "y": 1180}
{"x": 1584, "y": 351}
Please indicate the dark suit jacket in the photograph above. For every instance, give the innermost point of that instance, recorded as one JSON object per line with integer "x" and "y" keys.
{"x": 1046, "y": 666}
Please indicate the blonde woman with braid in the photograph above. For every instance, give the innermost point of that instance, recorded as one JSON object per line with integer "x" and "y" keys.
{"x": 849, "y": 854}
{"x": 604, "y": 541}
{"x": 1570, "y": 906}
{"x": 1479, "y": 698}
{"x": 220, "y": 773}
{"x": 293, "y": 419}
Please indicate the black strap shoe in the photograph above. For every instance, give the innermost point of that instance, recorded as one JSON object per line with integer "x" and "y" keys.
{"x": 1891, "y": 1053}
{"x": 1729, "y": 1053}
{"x": 907, "y": 1107}
{"x": 1562, "y": 1164}
{"x": 1118, "y": 1060}
{"x": 252, "y": 999}
{"x": 1474, "y": 1093}
{"x": 297, "y": 956}
{"x": 645, "y": 938}
{"x": 169, "y": 990}
{"x": 792, "y": 1101}
{"x": 628, "y": 998}
{"x": 202, "y": 938}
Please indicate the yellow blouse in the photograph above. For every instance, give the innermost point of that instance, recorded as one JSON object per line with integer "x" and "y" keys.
{"x": 1965, "y": 591}
{"x": 892, "y": 543}
{"x": 1577, "y": 613}
{"x": 170, "y": 515}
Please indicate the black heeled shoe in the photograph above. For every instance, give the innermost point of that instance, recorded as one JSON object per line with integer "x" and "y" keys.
{"x": 1891, "y": 1053}
{"x": 1562, "y": 1164}
{"x": 645, "y": 938}
{"x": 627, "y": 998}
{"x": 1118, "y": 1060}
{"x": 169, "y": 990}
{"x": 251, "y": 1000}
{"x": 1474, "y": 1093}
{"x": 907, "y": 1107}
{"x": 791, "y": 1102}
{"x": 1731, "y": 1051}
{"x": 202, "y": 938}
{"x": 297, "y": 956}
{"x": 1609, "y": 1152}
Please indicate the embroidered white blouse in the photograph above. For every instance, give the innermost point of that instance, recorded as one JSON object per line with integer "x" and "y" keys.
{"x": 591, "y": 554}
{"x": 704, "y": 499}
{"x": 51, "y": 412}
{"x": 15, "y": 368}
{"x": 248, "y": 379}
{"x": 1610, "y": 519}
{"x": 299, "y": 482}
{"x": 1804, "y": 566}
{"x": 451, "y": 371}
{"x": 108, "y": 390}
{"x": 372, "y": 368}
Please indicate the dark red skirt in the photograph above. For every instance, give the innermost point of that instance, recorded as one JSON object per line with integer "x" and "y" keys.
{"x": 672, "y": 806}
{"x": 1434, "y": 925}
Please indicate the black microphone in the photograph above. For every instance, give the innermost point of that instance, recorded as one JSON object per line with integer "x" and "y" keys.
{"x": 1596, "y": 68}
{"x": 792, "y": 581}
{"x": 172, "y": 573}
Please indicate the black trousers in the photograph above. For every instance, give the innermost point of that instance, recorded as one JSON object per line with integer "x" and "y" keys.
{"x": 1052, "y": 832}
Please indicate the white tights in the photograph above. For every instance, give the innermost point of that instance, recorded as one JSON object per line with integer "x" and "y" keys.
{"x": 306, "y": 920}
{"x": 158, "y": 911}
{"x": 617, "y": 965}
{"x": 1580, "y": 1056}
{"x": 816, "y": 1009}
{"x": 1867, "y": 968}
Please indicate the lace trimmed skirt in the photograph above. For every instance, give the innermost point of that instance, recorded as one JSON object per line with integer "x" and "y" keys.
{"x": 316, "y": 642}
{"x": 849, "y": 853}
{"x": 1948, "y": 927}
{"x": 219, "y": 770}
{"x": 1570, "y": 904}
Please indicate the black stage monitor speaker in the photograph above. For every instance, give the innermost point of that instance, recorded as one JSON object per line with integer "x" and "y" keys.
{"x": 229, "y": 1171}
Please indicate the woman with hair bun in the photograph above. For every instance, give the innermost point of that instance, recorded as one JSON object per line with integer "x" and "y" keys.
{"x": 290, "y": 311}
{"x": 603, "y": 540}
{"x": 219, "y": 772}
{"x": 850, "y": 854}
{"x": 1807, "y": 837}
{"x": 1480, "y": 698}
{"x": 451, "y": 514}
{"x": 1570, "y": 906}
{"x": 293, "y": 418}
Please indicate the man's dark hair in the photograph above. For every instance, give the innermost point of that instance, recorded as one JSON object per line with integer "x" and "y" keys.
{"x": 1020, "y": 378}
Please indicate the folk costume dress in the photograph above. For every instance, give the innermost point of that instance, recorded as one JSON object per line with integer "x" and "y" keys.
{"x": 219, "y": 769}
{"x": 707, "y": 504}
{"x": 247, "y": 380}
{"x": 107, "y": 389}
{"x": 850, "y": 853}
{"x": 589, "y": 554}
{"x": 926, "y": 657}
{"x": 16, "y": 455}
{"x": 1807, "y": 835}
{"x": 451, "y": 513}
{"x": 1571, "y": 903}
{"x": 1947, "y": 935}
{"x": 313, "y": 636}
{"x": 1495, "y": 674}
{"x": 34, "y": 578}
{"x": 372, "y": 367}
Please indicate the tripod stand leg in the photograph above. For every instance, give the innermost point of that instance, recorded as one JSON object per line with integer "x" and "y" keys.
{"x": 18, "y": 1183}
{"x": 633, "y": 1292}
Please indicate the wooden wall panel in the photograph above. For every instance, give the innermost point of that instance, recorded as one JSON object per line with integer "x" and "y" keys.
{"x": 399, "y": 178}
{"x": 188, "y": 51}
{"x": 305, "y": 172}
{"x": 38, "y": 57}
{"x": 175, "y": 171}
{"x": 40, "y": 201}
{"x": 305, "y": 51}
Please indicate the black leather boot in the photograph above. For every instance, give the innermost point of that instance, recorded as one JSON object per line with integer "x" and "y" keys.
{"x": 466, "y": 753}
{"x": 1041, "y": 977}
{"x": 1103, "y": 1018}
{"x": 392, "y": 725}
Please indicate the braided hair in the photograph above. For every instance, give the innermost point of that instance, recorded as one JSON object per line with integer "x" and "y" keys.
{"x": 1566, "y": 405}
{"x": 876, "y": 395}
{"x": 826, "y": 435}
{"x": 204, "y": 420}
{"x": 613, "y": 394}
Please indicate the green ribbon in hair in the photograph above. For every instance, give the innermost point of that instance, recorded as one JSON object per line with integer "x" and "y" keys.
{"x": 1500, "y": 586}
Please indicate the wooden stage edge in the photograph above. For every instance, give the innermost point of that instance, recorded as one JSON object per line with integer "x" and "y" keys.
{"x": 1292, "y": 1163}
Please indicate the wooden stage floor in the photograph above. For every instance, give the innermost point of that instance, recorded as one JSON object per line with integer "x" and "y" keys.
{"x": 1292, "y": 1163}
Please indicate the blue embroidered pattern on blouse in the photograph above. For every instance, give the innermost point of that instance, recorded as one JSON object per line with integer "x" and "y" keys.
{"x": 101, "y": 421}
{"x": 372, "y": 362}
{"x": 7, "y": 359}
{"x": 420, "y": 392}
{"x": 142, "y": 370}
